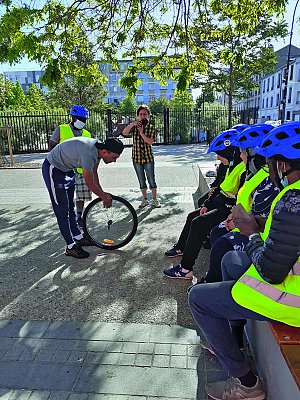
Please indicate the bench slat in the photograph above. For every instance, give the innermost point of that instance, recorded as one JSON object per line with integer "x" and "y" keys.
{"x": 291, "y": 354}
{"x": 285, "y": 334}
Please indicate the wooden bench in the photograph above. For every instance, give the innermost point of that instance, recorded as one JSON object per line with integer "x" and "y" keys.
{"x": 276, "y": 349}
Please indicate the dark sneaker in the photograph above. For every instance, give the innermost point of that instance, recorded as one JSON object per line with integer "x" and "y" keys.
{"x": 76, "y": 252}
{"x": 173, "y": 252}
{"x": 177, "y": 273}
{"x": 84, "y": 241}
{"x": 232, "y": 389}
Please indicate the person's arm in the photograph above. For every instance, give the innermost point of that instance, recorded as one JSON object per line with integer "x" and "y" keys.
{"x": 92, "y": 181}
{"x": 147, "y": 139}
{"x": 128, "y": 128}
{"x": 275, "y": 257}
{"x": 54, "y": 138}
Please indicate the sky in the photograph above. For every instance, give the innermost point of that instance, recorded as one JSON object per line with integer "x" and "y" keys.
{"x": 26, "y": 65}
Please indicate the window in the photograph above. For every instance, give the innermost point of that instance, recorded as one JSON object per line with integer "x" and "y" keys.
{"x": 140, "y": 99}
{"x": 264, "y": 87}
{"x": 290, "y": 95}
{"x": 298, "y": 98}
{"x": 278, "y": 79}
{"x": 291, "y": 72}
{"x": 263, "y": 103}
{"x": 288, "y": 115}
{"x": 271, "y": 101}
{"x": 277, "y": 99}
{"x": 115, "y": 89}
{"x": 151, "y": 86}
{"x": 272, "y": 84}
{"x": 268, "y": 84}
{"x": 267, "y": 103}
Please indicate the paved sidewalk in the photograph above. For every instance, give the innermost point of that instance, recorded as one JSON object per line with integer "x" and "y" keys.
{"x": 95, "y": 360}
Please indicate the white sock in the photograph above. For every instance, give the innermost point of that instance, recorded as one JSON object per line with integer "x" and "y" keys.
{"x": 78, "y": 237}
{"x": 69, "y": 246}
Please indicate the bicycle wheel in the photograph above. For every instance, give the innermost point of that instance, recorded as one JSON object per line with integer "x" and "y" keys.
{"x": 110, "y": 228}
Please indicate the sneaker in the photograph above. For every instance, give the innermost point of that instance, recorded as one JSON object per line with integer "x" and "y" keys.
{"x": 173, "y": 252}
{"x": 144, "y": 203}
{"x": 84, "y": 242}
{"x": 77, "y": 252}
{"x": 232, "y": 389}
{"x": 156, "y": 203}
{"x": 176, "y": 272}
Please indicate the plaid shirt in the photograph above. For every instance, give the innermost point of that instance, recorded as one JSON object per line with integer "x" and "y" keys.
{"x": 142, "y": 151}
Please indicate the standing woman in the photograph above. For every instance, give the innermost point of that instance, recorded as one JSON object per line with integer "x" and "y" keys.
{"x": 143, "y": 135}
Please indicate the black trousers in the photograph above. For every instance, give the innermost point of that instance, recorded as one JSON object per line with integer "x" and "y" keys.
{"x": 195, "y": 232}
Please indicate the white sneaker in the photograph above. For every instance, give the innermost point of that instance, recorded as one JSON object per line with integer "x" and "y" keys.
{"x": 232, "y": 389}
{"x": 144, "y": 203}
{"x": 156, "y": 203}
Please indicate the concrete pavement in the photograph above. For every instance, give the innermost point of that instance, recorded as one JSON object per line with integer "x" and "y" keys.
{"x": 111, "y": 326}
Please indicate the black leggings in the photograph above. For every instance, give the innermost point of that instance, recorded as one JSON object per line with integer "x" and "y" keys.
{"x": 195, "y": 231}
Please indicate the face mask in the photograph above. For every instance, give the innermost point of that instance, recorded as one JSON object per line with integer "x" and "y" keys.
{"x": 79, "y": 124}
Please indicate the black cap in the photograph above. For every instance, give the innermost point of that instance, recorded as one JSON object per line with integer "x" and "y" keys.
{"x": 113, "y": 145}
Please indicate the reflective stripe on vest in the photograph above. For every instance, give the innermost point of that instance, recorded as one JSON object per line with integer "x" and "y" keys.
{"x": 65, "y": 132}
{"x": 280, "y": 302}
{"x": 231, "y": 182}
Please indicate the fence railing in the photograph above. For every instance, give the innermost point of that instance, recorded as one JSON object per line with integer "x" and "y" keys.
{"x": 31, "y": 132}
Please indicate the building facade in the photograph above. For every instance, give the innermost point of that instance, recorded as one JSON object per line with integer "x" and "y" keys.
{"x": 149, "y": 90}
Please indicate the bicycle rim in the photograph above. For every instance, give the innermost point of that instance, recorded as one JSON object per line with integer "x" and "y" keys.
{"x": 110, "y": 228}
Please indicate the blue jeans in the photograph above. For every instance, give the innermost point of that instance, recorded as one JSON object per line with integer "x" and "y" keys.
{"x": 140, "y": 170}
{"x": 212, "y": 307}
{"x": 61, "y": 187}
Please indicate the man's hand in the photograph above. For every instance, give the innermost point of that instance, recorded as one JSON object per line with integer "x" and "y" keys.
{"x": 229, "y": 223}
{"x": 246, "y": 226}
{"x": 107, "y": 200}
{"x": 203, "y": 210}
{"x": 261, "y": 222}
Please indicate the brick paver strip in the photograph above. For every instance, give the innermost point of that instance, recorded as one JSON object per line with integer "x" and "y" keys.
{"x": 95, "y": 361}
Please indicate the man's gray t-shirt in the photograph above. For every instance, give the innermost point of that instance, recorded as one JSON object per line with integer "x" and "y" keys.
{"x": 55, "y": 137}
{"x": 79, "y": 152}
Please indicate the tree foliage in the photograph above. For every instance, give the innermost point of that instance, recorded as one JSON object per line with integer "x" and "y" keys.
{"x": 170, "y": 30}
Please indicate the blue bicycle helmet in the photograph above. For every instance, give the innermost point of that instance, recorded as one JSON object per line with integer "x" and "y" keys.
{"x": 222, "y": 141}
{"x": 79, "y": 111}
{"x": 282, "y": 141}
{"x": 240, "y": 127}
{"x": 252, "y": 136}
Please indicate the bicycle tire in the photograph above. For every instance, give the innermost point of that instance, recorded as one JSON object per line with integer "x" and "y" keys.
{"x": 103, "y": 226}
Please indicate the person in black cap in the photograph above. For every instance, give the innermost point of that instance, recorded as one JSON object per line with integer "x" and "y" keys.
{"x": 59, "y": 176}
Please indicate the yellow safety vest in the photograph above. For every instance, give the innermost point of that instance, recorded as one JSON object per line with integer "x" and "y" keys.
{"x": 231, "y": 183}
{"x": 244, "y": 196}
{"x": 279, "y": 302}
{"x": 66, "y": 132}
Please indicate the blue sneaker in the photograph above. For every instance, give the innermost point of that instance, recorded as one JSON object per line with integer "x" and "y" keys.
{"x": 173, "y": 252}
{"x": 176, "y": 272}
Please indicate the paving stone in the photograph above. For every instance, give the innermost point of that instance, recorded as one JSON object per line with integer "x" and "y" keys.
{"x": 63, "y": 330}
{"x": 126, "y": 359}
{"x": 6, "y": 343}
{"x": 12, "y": 355}
{"x": 192, "y": 362}
{"x": 60, "y": 356}
{"x": 44, "y": 355}
{"x": 39, "y": 396}
{"x": 91, "y": 345}
{"x": 173, "y": 334}
{"x": 2, "y": 352}
{"x": 51, "y": 344}
{"x": 178, "y": 362}
{"x": 28, "y": 355}
{"x": 143, "y": 360}
{"x": 110, "y": 358}
{"x": 67, "y": 345}
{"x": 161, "y": 360}
{"x": 130, "y": 348}
{"x": 78, "y": 396}
{"x": 58, "y": 396}
{"x": 38, "y": 376}
{"x": 77, "y": 356}
{"x": 162, "y": 348}
{"x": 146, "y": 348}
{"x": 19, "y": 395}
{"x": 135, "y": 381}
{"x": 194, "y": 350}
{"x": 5, "y": 394}
{"x": 116, "y": 397}
{"x": 93, "y": 358}
{"x": 27, "y": 344}
{"x": 114, "y": 347}
{"x": 178, "y": 350}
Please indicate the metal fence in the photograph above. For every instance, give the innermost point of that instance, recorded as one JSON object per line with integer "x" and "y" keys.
{"x": 31, "y": 132}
